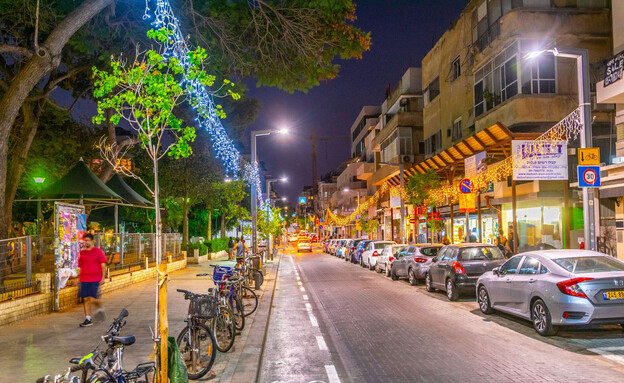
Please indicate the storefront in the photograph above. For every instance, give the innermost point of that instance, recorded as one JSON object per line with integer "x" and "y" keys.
{"x": 539, "y": 223}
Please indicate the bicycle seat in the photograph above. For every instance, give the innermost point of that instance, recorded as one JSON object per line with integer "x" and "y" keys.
{"x": 123, "y": 340}
{"x": 75, "y": 360}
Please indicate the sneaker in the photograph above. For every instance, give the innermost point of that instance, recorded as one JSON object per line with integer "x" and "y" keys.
{"x": 86, "y": 323}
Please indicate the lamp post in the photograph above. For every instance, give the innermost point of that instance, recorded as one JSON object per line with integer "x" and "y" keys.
{"x": 39, "y": 182}
{"x": 254, "y": 193}
{"x": 582, "y": 80}
{"x": 402, "y": 183}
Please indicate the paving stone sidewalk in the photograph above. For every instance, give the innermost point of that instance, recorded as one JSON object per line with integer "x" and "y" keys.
{"x": 44, "y": 344}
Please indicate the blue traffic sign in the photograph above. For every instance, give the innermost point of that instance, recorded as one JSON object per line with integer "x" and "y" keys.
{"x": 302, "y": 200}
{"x": 588, "y": 176}
{"x": 466, "y": 186}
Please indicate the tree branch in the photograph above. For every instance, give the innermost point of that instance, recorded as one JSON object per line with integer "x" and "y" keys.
{"x": 6, "y": 48}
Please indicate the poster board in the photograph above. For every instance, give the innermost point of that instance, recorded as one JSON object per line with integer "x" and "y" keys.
{"x": 70, "y": 225}
{"x": 539, "y": 160}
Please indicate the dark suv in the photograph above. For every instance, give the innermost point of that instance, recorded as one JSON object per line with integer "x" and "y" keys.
{"x": 456, "y": 268}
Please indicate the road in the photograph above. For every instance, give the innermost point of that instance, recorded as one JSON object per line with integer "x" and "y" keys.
{"x": 333, "y": 321}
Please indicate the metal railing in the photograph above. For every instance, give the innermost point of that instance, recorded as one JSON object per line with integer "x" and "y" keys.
{"x": 125, "y": 252}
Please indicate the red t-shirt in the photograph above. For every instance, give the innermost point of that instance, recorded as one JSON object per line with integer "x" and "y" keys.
{"x": 90, "y": 263}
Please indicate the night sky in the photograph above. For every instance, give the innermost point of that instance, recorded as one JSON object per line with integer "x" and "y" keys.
{"x": 402, "y": 32}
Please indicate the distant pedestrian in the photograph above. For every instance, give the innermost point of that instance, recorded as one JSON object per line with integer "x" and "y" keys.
{"x": 230, "y": 249}
{"x": 472, "y": 238}
{"x": 92, "y": 264}
{"x": 241, "y": 251}
{"x": 503, "y": 243}
{"x": 446, "y": 240}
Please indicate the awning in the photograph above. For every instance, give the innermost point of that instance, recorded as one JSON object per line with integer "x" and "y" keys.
{"x": 495, "y": 140}
{"x": 79, "y": 182}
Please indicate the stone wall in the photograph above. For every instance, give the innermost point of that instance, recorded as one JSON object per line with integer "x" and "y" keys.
{"x": 41, "y": 303}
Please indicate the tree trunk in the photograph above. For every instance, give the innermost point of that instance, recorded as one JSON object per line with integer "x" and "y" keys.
{"x": 185, "y": 223}
{"x": 209, "y": 225}
{"x": 35, "y": 68}
{"x": 222, "y": 225}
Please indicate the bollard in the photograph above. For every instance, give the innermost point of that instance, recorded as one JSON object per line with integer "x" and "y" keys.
{"x": 257, "y": 280}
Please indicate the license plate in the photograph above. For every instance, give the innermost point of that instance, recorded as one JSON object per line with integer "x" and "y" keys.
{"x": 613, "y": 295}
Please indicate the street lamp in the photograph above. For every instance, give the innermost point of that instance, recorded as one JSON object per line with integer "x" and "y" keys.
{"x": 582, "y": 80}
{"x": 269, "y": 181}
{"x": 402, "y": 183}
{"x": 254, "y": 192}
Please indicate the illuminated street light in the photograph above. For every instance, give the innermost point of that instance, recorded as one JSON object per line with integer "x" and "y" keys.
{"x": 39, "y": 180}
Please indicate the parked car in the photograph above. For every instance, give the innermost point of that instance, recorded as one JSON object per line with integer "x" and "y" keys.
{"x": 303, "y": 246}
{"x": 332, "y": 246}
{"x": 413, "y": 262}
{"x": 457, "y": 267}
{"x": 554, "y": 288}
{"x": 347, "y": 248}
{"x": 351, "y": 250}
{"x": 357, "y": 253}
{"x": 313, "y": 238}
{"x": 387, "y": 256}
{"x": 372, "y": 251}
{"x": 343, "y": 247}
{"x": 339, "y": 247}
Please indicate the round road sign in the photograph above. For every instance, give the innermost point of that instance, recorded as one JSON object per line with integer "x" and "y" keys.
{"x": 466, "y": 186}
{"x": 590, "y": 176}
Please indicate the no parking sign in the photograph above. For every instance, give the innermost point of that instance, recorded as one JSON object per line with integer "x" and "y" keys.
{"x": 589, "y": 176}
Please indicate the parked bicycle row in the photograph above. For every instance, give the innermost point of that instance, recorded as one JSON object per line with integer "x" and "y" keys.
{"x": 212, "y": 323}
{"x": 550, "y": 288}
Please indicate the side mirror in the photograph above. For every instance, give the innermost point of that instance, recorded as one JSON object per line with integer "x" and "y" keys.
{"x": 495, "y": 271}
{"x": 435, "y": 259}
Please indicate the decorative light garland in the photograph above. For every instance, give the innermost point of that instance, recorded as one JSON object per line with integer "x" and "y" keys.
{"x": 201, "y": 100}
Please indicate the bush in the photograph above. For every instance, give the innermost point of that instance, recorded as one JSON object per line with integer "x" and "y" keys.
{"x": 203, "y": 249}
{"x": 213, "y": 246}
{"x": 219, "y": 244}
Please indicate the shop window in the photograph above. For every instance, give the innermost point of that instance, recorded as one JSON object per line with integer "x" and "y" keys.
{"x": 455, "y": 69}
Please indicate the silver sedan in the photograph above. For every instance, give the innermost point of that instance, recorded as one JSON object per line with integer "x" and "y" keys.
{"x": 555, "y": 288}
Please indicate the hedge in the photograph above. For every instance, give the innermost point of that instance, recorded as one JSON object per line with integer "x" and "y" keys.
{"x": 213, "y": 246}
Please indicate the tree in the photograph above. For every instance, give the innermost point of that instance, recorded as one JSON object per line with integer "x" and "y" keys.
{"x": 145, "y": 93}
{"x": 419, "y": 185}
{"x": 369, "y": 226}
{"x": 230, "y": 210}
{"x": 270, "y": 223}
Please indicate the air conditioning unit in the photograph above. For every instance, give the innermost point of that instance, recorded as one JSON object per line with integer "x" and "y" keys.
{"x": 407, "y": 158}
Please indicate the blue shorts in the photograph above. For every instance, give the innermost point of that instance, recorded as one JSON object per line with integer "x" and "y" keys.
{"x": 89, "y": 289}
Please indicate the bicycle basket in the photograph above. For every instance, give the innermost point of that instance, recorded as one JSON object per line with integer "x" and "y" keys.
{"x": 220, "y": 272}
{"x": 204, "y": 306}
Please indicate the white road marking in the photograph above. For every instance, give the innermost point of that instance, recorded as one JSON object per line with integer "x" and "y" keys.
{"x": 604, "y": 351}
{"x": 305, "y": 297}
{"x": 321, "y": 343}
{"x": 298, "y": 278}
{"x": 332, "y": 374}
{"x": 299, "y": 283}
{"x": 308, "y": 307}
{"x": 301, "y": 288}
{"x": 313, "y": 320}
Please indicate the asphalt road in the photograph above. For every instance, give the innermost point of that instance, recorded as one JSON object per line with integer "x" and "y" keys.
{"x": 333, "y": 321}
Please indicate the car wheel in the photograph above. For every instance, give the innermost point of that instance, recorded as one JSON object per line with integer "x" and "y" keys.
{"x": 451, "y": 291}
{"x": 484, "y": 301}
{"x": 393, "y": 275}
{"x": 370, "y": 266}
{"x": 542, "y": 321}
{"x": 428, "y": 286}
{"x": 388, "y": 270}
{"x": 362, "y": 262}
{"x": 413, "y": 280}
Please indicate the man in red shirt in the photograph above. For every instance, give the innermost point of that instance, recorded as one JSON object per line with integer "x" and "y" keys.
{"x": 92, "y": 264}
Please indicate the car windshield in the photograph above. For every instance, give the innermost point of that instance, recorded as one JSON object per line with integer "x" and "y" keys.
{"x": 480, "y": 253}
{"x": 381, "y": 245}
{"x": 430, "y": 251}
{"x": 395, "y": 249}
{"x": 595, "y": 264}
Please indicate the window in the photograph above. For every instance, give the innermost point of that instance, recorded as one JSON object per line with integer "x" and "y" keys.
{"x": 436, "y": 142}
{"x": 405, "y": 140}
{"x": 538, "y": 76}
{"x": 481, "y": 253}
{"x": 510, "y": 266}
{"x": 448, "y": 255}
{"x": 433, "y": 90}
{"x": 581, "y": 265}
{"x": 457, "y": 129}
{"x": 496, "y": 81}
{"x": 430, "y": 251}
{"x": 455, "y": 69}
{"x": 529, "y": 266}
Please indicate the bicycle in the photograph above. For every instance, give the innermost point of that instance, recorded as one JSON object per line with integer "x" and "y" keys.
{"x": 223, "y": 324}
{"x": 221, "y": 275}
{"x": 196, "y": 336}
{"x": 247, "y": 298}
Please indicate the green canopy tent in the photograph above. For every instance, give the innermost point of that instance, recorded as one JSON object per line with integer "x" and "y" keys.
{"x": 119, "y": 186}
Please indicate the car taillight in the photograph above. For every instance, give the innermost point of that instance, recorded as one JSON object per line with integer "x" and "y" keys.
{"x": 571, "y": 287}
{"x": 390, "y": 259}
{"x": 352, "y": 248}
{"x": 459, "y": 269}
{"x": 375, "y": 253}
{"x": 421, "y": 260}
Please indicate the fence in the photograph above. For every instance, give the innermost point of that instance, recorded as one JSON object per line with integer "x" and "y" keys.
{"x": 125, "y": 252}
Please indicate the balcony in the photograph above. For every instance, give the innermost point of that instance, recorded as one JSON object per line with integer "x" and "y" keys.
{"x": 407, "y": 119}
{"x": 365, "y": 170}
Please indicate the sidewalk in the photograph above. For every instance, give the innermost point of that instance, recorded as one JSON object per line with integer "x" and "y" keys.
{"x": 44, "y": 344}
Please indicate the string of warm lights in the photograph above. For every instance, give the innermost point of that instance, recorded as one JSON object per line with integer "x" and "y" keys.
{"x": 567, "y": 129}
{"x": 208, "y": 113}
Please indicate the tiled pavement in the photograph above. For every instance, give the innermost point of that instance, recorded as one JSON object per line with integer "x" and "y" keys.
{"x": 385, "y": 331}
{"x": 43, "y": 344}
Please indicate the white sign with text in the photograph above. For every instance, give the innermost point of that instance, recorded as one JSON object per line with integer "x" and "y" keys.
{"x": 539, "y": 161}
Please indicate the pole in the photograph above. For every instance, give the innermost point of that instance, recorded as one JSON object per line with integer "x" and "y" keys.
{"x": 513, "y": 236}
{"x": 479, "y": 216}
{"x": 254, "y": 199}
{"x": 116, "y": 218}
{"x": 452, "y": 236}
{"x": 270, "y": 240}
{"x": 402, "y": 182}
{"x": 39, "y": 234}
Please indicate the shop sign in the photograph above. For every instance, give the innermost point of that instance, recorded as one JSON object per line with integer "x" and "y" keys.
{"x": 475, "y": 165}
{"x": 436, "y": 216}
{"x": 589, "y": 156}
{"x": 490, "y": 187}
{"x": 613, "y": 71}
{"x": 539, "y": 160}
{"x": 395, "y": 201}
{"x": 467, "y": 203}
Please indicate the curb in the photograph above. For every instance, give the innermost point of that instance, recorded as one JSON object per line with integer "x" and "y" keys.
{"x": 246, "y": 366}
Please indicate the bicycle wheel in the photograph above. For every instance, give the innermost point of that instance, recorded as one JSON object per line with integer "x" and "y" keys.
{"x": 223, "y": 329}
{"x": 250, "y": 300}
{"x": 237, "y": 308}
{"x": 198, "y": 349}
{"x": 261, "y": 276}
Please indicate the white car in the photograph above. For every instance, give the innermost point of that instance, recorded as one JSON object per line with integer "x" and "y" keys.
{"x": 388, "y": 255}
{"x": 372, "y": 251}
{"x": 304, "y": 246}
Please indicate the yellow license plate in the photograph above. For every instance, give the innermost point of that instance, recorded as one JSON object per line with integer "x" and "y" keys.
{"x": 613, "y": 295}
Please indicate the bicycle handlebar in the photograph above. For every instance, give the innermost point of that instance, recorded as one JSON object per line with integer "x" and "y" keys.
{"x": 202, "y": 275}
